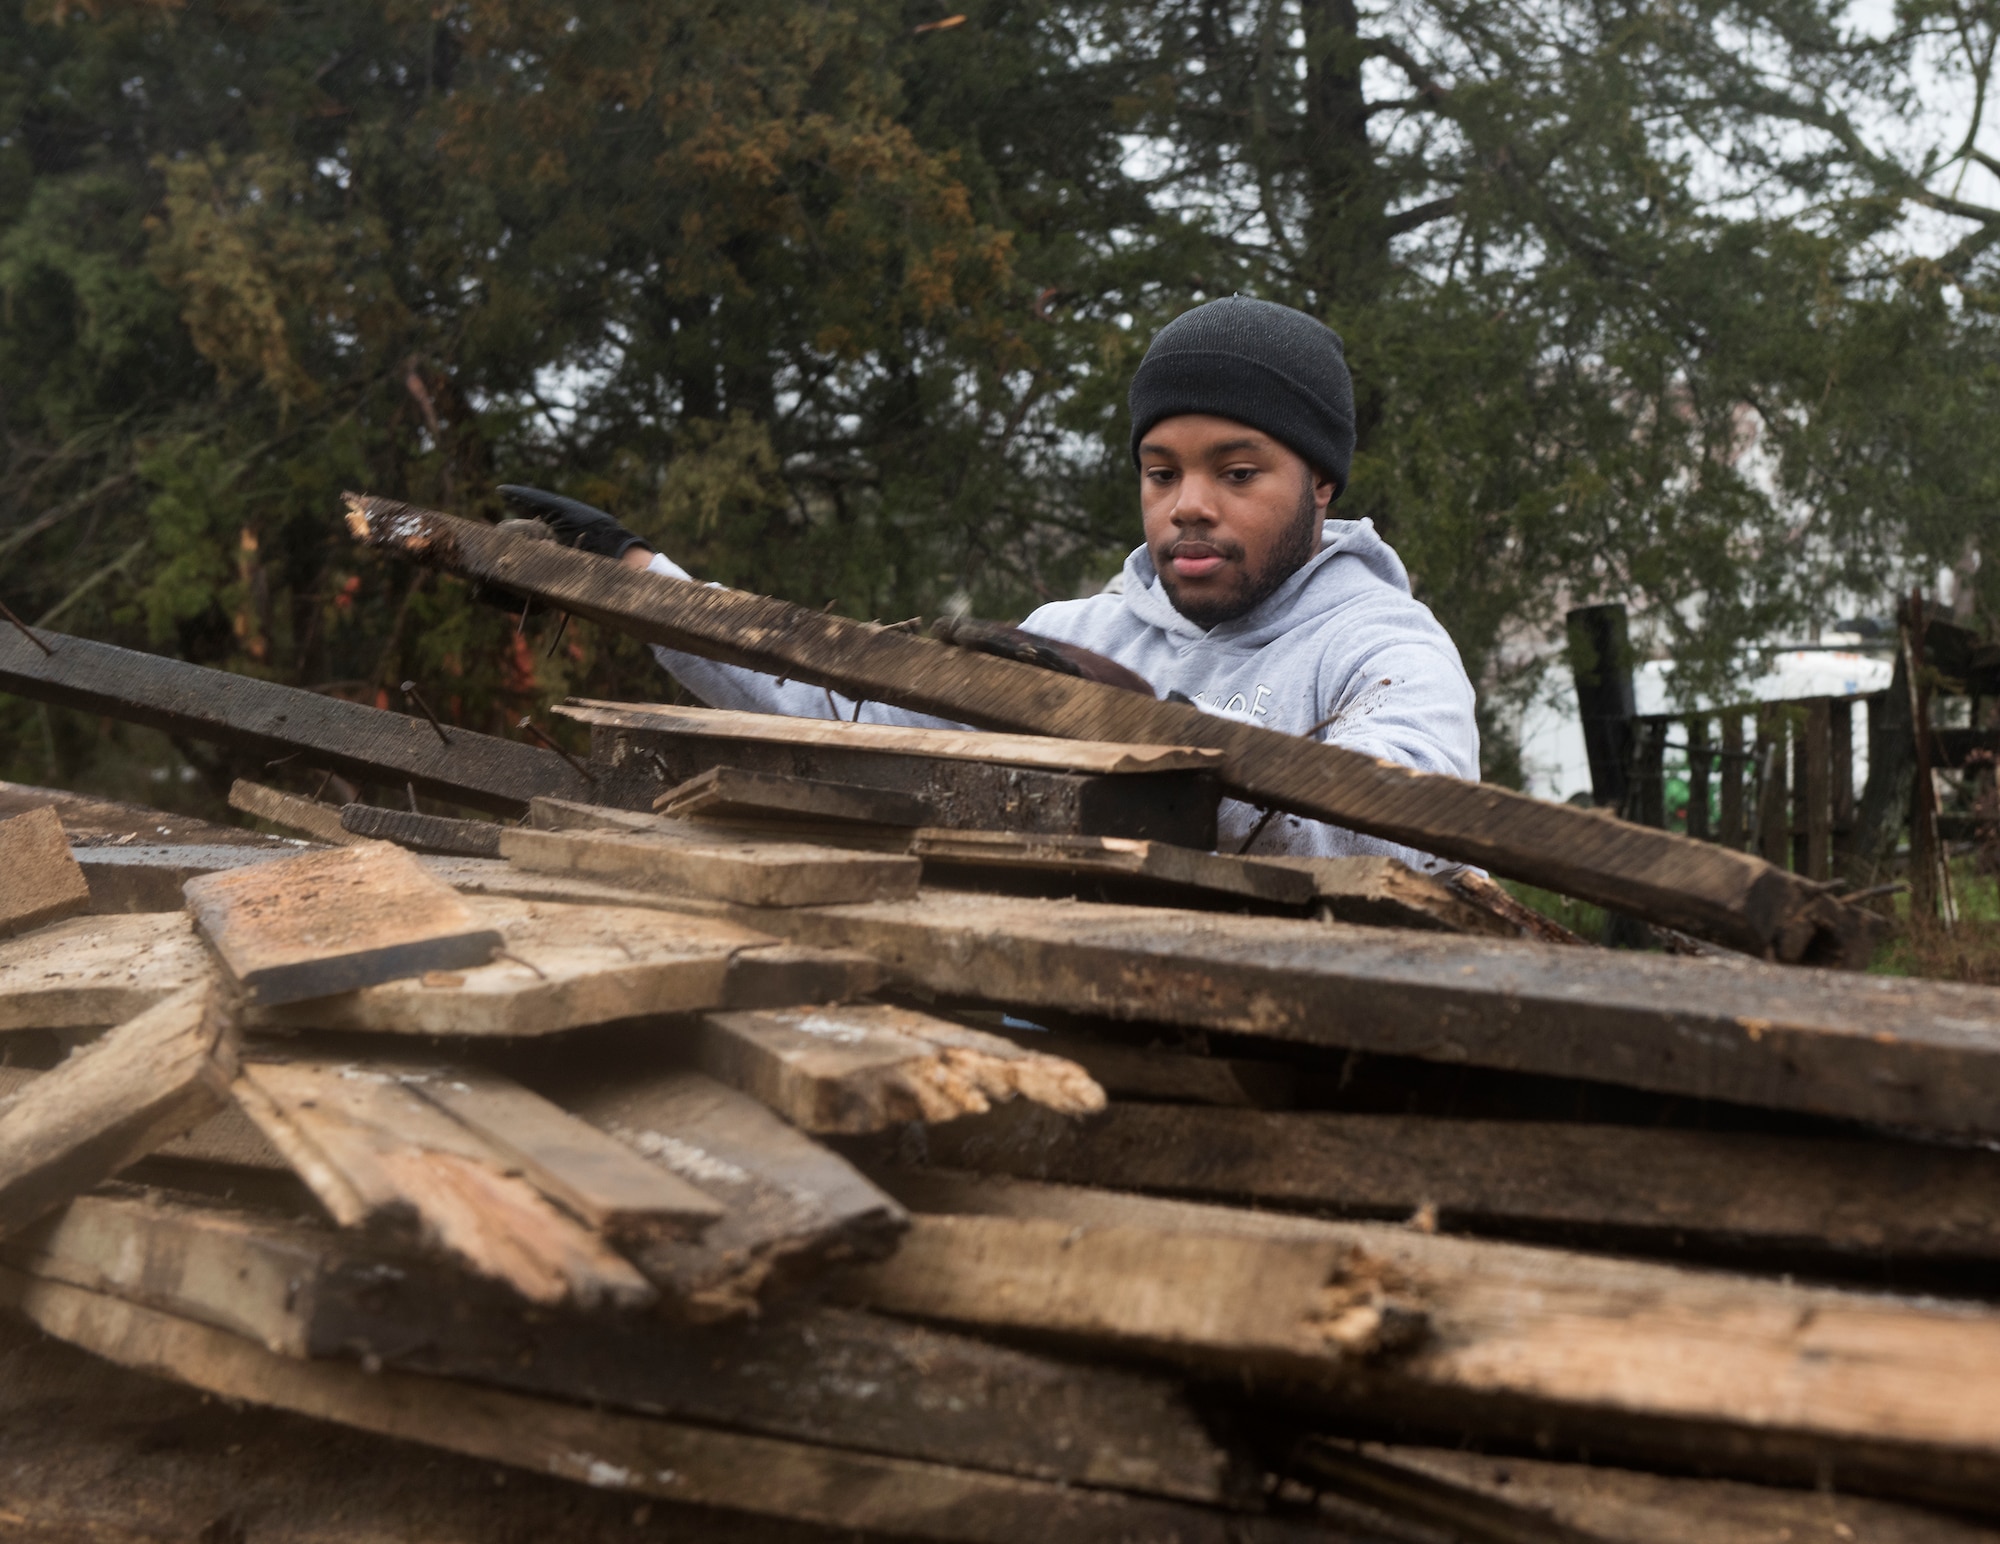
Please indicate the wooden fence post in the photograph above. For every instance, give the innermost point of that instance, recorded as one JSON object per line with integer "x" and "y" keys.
{"x": 1732, "y": 780}
{"x": 1699, "y": 757}
{"x": 1816, "y": 792}
{"x": 1774, "y": 835}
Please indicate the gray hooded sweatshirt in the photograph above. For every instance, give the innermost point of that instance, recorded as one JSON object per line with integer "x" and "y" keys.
{"x": 1340, "y": 649}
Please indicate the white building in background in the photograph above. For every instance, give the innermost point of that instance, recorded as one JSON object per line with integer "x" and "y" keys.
{"x": 1553, "y": 764}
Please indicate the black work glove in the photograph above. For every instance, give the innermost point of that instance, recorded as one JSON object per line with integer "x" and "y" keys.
{"x": 575, "y": 524}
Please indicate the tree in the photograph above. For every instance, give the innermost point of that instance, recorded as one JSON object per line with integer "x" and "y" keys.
{"x": 840, "y": 303}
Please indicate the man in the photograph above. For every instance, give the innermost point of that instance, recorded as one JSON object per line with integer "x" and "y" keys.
{"x": 1246, "y": 597}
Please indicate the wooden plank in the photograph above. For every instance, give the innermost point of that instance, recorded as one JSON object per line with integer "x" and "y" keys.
{"x": 422, "y": 833}
{"x": 1840, "y": 722}
{"x": 633, "y": 765}
{"x": 1701, "y": 764}
{"x": 1628, "y": 1359}
{"x": 142, "y": 876}
{"x": 1386, "y": 892}
{"x": 113, "y": 1102}
{"x": 816, "y": 1374}
{"x": 91, "y": 972}
{"x": 677, "y": 1462}
{"x": 1774, "y": 820}
{"x": 378, "y": 1154}
{"x": 771, "y": 873}
{"x": 1666, "y": 879}
{"x": 1380, "y": 1489}
{"x": 1627, "y": 1506}
{"x": 1817, "y": 790}
{"x": 91, "y": 821}
{"x": 44, "y": 884}
{"x": 1615, "y": 1186}
{"x": 271, "y": 722}
{"x": 100, "y": 1453}
{"x": 868, "y": 1066}
{"x": 597, "y": 1179}
{"x": 564, "y": 967}
{"x": 1129, "y": 863}
{"x": 1732, "y": 830}
{"x": 329, "y": 922}
{"x": 792, "y": 1205}
{"x": 1648, "y": 801}
{"x": 1522, "y": 920}
{"x": 498, "y": 878}
{"x": 308, "y": 817}
{"x": 1915, "y": 1053}
{"x": 226, "y": 1138}
{"x": 729, "y": 793}
{"x": 1014, "y": 750}
{"x": 1118, "y": 858}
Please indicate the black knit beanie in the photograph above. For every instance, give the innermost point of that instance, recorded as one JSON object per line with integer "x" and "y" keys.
{"x": 1261, "y": 364}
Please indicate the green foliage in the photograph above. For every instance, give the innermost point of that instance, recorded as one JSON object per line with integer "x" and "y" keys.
{"x": 837, "y": 306}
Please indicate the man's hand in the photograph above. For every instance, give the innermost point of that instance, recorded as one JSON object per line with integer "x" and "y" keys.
{"x": 578, "y": 525}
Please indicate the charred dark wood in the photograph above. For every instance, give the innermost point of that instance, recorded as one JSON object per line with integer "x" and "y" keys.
{"x": 635, "y": 765}
{"x": 269, "y": 721}
{"x": 423, "y": 833}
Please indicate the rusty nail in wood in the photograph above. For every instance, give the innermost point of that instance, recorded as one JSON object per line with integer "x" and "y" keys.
{"x": 23, "y": 626}
{"x": 410, "y": 691}
{"x": 582, "y": 771}
{"x": 411, "y": 790}
{"x": 507, "y": 954}
{"x": 561, "y": 628}
{"x": 322, "y": 785}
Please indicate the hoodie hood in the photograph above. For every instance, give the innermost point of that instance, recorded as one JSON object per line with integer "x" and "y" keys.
{"x": 1326, "y": 581}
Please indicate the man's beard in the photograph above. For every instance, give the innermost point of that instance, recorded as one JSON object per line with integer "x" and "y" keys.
{"x": 1294, "y": 548}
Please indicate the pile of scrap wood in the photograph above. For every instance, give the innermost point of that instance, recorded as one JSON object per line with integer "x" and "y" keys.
{"x": 779, "y": 1129}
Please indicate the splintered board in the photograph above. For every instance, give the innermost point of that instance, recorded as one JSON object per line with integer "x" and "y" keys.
{"x": 42, "y": 881}
{"x": 1501, "y": 1341}
{"x": 379, "y": 1153}
{"x": 113, "y": 1102}
{"x": 1386, "y": 892}
{"x": 563, "y": 967}
{"x": 89, "y": 972}
{"x": 329, "y": 922}
{"x": 752, "y": 873}
{"x": 1672, "y": 880}
{"x": 1925, "y": 1054}
{"x": 869, "y": 1066}
{"x": 730, "y": 793}
{"x": 793, "y": 1206}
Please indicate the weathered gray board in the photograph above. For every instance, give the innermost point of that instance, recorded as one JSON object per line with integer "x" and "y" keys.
{"x": 1921, "y": 1054}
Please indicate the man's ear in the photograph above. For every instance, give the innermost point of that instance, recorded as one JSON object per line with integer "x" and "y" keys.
{"x": 1323, "y": 492}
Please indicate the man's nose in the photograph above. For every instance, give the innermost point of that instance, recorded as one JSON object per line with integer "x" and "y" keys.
{"x": 1196, "y": 504}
